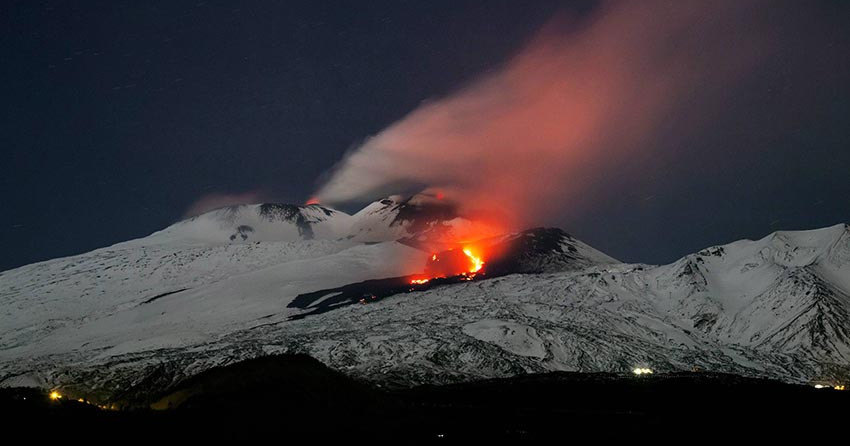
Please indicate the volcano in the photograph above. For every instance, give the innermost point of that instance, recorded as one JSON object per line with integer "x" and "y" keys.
{"x": 400, "y": 294}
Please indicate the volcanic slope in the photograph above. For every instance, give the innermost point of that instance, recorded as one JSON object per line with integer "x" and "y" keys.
{"x": 142, "y": 316}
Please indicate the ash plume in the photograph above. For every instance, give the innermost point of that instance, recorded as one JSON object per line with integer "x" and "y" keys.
{"x": 582, "y": 97}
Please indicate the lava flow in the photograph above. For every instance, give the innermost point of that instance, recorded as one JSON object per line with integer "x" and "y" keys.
{"x": 452, "y": 263}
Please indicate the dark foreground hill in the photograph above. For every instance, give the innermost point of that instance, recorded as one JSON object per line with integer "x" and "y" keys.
{"x": 294, "y": 396}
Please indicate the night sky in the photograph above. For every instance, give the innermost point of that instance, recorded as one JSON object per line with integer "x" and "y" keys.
{"x": 117, "y": 116}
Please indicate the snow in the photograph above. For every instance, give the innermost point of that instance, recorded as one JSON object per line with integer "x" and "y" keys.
{"x": 205, "y": 309}
{"x": 515, "y": 338}
{"x": 194, "y": 296}
{"x": 256, "y": 222}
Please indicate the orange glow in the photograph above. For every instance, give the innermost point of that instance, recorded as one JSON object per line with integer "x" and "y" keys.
{"x": 312, "y": 200}
{"x": 476, "y": 262}
{"x": 463, "y": 263}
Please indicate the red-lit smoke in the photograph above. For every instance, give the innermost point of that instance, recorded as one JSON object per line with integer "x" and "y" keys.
{"x": 581, "y": 98}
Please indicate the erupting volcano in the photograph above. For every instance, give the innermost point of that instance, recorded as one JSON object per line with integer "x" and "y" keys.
{"x": 467, "y": 262}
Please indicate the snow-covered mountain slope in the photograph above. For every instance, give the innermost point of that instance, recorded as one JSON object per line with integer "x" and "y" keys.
{"x": 788, "y": 293}
{"x": 130, "y": 320}
{"x": 257, "y": 222}
{"x": 200, "y": 278}
{"x": 605, "y": 317}
{"x": 116, "y": 301}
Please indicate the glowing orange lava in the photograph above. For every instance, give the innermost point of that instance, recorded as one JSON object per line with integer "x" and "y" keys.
{"x": 452, "y": 263}
{"x": 476, "y": 262}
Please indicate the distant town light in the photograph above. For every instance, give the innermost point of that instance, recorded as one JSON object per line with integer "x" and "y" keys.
{"x": 54, "y": 395}
{"x": 830, "y": 386}
{"x": 642, "y": 371}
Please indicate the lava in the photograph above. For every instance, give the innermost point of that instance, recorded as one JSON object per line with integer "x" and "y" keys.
{"x": 465, "y": 262}
{"x": 476, "y": 262}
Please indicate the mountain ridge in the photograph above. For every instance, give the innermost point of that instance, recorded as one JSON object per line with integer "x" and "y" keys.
{"x": 148, "y": 314}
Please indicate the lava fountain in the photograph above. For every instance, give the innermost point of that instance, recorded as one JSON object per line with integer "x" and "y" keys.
{"x": 464, "y": 263}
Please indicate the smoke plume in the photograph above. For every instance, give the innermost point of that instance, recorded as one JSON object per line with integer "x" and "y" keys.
{"x": 582, "y": 98}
